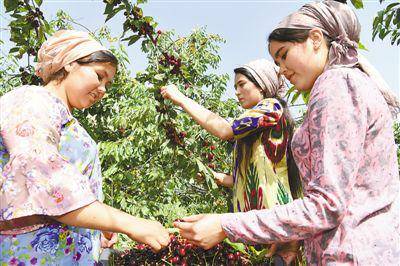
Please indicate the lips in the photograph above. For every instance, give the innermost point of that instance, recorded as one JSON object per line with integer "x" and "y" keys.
{"x": 290, "y": 78}
{"x": 94, "y": 96}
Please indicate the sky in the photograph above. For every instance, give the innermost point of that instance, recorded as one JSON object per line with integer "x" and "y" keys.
{"x": 243, "y": 24}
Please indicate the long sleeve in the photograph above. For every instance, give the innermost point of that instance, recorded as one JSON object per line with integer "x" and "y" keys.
{"x": 330, "y": 144}
{"x": 266, "y": 113}
{"x": 37, "y": 180}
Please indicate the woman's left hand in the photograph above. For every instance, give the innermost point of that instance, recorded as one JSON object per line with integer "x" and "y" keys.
{"x": 203, "y": 230}
{"x": 108, "y": 239}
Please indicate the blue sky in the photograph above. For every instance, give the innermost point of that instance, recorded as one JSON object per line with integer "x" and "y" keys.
{"x": 243, "y": 24}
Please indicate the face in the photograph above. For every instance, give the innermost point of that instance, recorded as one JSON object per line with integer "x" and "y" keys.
{"x": 301, "y": 63}
{"x": 86, "y": 84}
{"x": 247, "y": 93}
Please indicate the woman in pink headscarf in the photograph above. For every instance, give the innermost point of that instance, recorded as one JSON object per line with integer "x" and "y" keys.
{"x": 51, "y": 209}
{"x": 344, "y": 149}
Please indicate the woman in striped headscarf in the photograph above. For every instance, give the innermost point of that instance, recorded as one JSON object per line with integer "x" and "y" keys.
{"x": 264, "y": 174}
{"x": 344, "y": 149}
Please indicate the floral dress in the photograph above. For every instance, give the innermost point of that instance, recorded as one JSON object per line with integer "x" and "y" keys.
{"x": 262, "y": 182}
{"x": 49, "y": 166}
{"x": 347, "y": 158}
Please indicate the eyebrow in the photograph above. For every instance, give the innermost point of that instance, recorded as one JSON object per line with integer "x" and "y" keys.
{"x": 277, "y": 52}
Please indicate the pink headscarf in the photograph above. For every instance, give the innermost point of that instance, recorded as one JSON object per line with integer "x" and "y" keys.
{"x": 64, "y": 47}
{"x": 340, "y": 23}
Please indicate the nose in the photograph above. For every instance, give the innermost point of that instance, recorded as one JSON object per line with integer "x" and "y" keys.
{"x": 102, "y": 89}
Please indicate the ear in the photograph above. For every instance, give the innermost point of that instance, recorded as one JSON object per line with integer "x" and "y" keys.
{"x": 317, "y": 38}
{"x": 69, "y": 67}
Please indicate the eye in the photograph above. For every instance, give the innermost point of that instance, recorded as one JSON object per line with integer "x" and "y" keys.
{"x": 99, "y": 77}
{"x": 284, "y": 55}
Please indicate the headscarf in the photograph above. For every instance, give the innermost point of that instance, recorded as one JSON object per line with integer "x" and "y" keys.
{"x": 64, "y": 47}
{"x": 267, "y": 76}
{"x": 339, "y": 22}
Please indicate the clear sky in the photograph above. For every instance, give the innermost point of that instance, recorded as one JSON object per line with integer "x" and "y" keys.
{"x": 243, "y": 24}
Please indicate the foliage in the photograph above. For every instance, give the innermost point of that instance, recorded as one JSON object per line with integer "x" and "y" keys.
{"x": 387, "y": 23}
{"x": 151, "y": 152}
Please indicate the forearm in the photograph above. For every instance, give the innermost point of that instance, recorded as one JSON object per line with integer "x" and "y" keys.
{"x": 99, "y": 216}
{"x": 208, "y": 120}
{"x": 297, "y": 220}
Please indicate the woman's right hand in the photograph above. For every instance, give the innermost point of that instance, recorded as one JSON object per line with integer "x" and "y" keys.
{"x": 151, "y": 233}
{"x": 172, "y": 93}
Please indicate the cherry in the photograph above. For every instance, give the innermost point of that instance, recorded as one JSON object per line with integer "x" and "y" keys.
{"x": 175, "y": 259}
{"x": 212, "y": 147}
{"x": 210, "y": 157}
{"x": 183, "y": 134}
{"x": 231, "y": 256}
{"x": 182, "y": 252}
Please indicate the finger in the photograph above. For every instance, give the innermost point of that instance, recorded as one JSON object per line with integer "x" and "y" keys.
{"x": 193, "y": 218}
{"x": 113, "y": 240}
{"x": 184, "y": 226}
{"x": 186, "y": 235}
{"x": 271, "y": 250}
{"x": 154, "y": 245}
{"x": 164, "y": 240}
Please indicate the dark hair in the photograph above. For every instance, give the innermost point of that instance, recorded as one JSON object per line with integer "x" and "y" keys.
{"x": 103, "y": 56}
{"x": 245, "y": 144}
{"x": 292, "y": 35}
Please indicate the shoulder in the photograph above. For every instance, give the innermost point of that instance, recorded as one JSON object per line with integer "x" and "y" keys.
{"x": 269, "y": 104}
{"x": 32, "y": 101}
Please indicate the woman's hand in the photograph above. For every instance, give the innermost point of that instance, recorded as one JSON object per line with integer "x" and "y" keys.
{"x": 151, "y": 233}
{"x": 108, "y": 239}
{"x": 223, "y": 179}
{"x": 172, "y": 93}
{"x": 289, "y": 251}
{"x": 203, "y": 230}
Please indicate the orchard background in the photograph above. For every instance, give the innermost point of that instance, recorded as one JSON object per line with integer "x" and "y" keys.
{"x": 156, "y": 161}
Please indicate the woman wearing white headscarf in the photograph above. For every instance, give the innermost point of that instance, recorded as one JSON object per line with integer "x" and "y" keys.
{"x": 264, "y": 174}
{"x": 344, "y": 149}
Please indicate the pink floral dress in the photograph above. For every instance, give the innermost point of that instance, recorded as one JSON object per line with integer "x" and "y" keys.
{"x": 346, "y": 155}
{"x": 49, "y": 166}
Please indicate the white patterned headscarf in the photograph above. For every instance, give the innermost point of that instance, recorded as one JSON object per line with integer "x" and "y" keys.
{"x": 267, "y": 76}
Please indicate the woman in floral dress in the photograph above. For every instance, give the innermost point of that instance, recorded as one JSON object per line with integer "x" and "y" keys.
{"x": 264, "y": 174}
{"x": 344, "y": 149}
{"x": 50, "y": 184}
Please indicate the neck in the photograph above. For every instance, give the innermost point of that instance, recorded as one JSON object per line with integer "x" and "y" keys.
{"x": 59, "y": 91}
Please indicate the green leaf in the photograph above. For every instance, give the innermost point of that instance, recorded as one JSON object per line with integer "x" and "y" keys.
{"x": 207, "y": 173}
{"x": 362, "y": 47}
{"x": 10, "y": 5}
{"x": 295, "y": 96}
{"x": 237, "y": 246}
{"x": 391, "y": 6}
{"x": 133, "y": 39}
{"x": 39, "y": 2}
{"x": 14, "y": 50}
{"x": 357, "y": 3}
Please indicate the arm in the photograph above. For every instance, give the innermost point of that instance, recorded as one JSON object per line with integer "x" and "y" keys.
{"x": 336, "y": 126}
{"x": 103, "y": 217}
{"x": 48, "y": 185}
{"x": 208, "y": 120}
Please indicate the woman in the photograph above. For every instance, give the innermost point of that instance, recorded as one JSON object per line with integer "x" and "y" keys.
{"x": 264, "y": 174}
{"x": 345, "y": 151}
{"x": 50, "y": 197}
